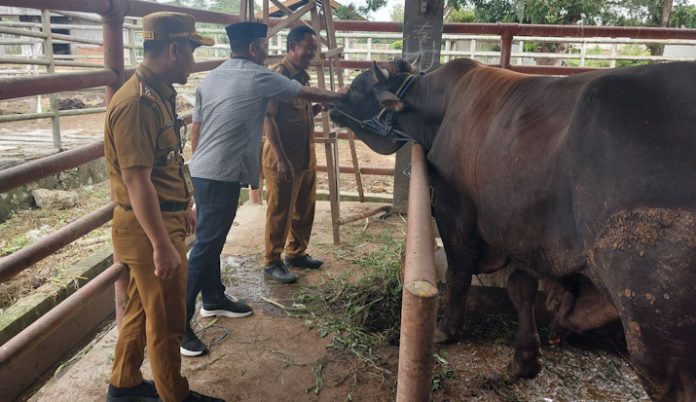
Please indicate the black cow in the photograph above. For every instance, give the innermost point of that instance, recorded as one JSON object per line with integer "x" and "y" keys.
{"x": 592, "y": 175}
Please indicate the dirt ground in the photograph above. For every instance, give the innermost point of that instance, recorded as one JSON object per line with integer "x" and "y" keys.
{"x": 271, "y": 356}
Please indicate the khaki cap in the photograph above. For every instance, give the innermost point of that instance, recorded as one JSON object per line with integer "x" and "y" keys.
{"x": 169, "y": 25}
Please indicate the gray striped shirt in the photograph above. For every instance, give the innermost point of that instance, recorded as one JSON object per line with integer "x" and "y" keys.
{"x": 231, "y": 106}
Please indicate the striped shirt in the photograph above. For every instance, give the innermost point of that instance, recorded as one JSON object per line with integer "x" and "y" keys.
{"x": 231, "y": 107}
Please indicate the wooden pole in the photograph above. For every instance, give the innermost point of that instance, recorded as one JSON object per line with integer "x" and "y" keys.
{"x": 419, "y": 301}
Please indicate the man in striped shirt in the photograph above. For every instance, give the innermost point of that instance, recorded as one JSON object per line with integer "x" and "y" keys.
{"x": 226, "y": 142}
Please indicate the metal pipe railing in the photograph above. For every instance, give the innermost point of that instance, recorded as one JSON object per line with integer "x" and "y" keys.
{"x": 376, "y": 171}
{"x": 19, "y": 260}
{"x": 62, "y": 113}
{"x": 31, "y": 171}
{"x": 39, "y": 329}
{"x": 18, "y": 87}
{"x": 419, "y": 296}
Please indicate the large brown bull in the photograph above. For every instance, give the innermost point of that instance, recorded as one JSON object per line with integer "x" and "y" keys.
{"x": 591, "y": 176}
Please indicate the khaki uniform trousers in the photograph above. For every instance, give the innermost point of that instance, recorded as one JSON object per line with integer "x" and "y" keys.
{"x": 289, "y": 213}
{"x": 155, "y": 315}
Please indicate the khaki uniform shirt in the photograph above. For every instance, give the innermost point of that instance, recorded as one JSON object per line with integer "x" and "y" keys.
{"x": 142, "y": 130}
{"x": 295, "y": 122}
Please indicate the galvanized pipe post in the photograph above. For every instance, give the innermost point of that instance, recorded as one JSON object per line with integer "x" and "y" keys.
{"x": 419, "y": 300}
{"x": 113, "y": 60}
{"x": 51, "y": 69}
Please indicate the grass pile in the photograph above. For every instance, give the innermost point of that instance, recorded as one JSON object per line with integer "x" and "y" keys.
{"x": 363, "y": 315}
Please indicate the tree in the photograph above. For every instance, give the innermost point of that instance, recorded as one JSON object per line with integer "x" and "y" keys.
{"x": 397, "y": 13}
{"x": 347, "y": 13}
{"x": 467, "y": 14}
{"x": 372, "y": 5}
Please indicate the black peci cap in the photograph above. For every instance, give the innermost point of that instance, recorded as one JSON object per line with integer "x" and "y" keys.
{"x": 246, "y": 31}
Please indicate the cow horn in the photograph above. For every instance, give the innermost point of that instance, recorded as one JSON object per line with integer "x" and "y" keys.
{"x": 380, "y": 73}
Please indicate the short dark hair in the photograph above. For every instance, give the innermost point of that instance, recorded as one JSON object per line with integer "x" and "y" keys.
{"x": 242, "y": 46}
{"x": 297, "y": 34}
{"x": 154, "y": 48}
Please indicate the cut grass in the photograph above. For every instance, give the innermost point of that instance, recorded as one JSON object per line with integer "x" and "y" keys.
{"x": 361, "y": 315}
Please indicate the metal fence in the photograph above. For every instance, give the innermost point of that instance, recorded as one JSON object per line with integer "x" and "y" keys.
{"x": 27, "y": 48}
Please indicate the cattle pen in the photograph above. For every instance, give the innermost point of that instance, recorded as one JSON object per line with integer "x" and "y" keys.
{"x": 32, "y": 348}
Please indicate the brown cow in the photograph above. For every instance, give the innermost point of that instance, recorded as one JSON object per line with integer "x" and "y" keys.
{"x": 592, "y": 175}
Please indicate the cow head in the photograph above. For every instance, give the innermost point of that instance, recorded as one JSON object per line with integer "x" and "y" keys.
{"x": 370, "y": 92}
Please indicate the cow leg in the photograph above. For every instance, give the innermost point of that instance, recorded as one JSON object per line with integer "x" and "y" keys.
{"x": 645, "y": 260}
{"x": 522, "y": 289}
{"x": 458, "y": 233}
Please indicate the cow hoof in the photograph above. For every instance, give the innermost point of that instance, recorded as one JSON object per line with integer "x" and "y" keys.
{"x": 443, "y": 335}
{"x": 527, "y": 370}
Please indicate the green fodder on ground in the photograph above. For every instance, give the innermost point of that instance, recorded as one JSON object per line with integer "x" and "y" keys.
{"x": 360, "y": 315}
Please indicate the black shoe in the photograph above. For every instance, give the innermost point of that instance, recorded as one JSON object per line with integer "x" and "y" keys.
{"x": 144, "y": 392}
{"x": 194, "y": 396}
{"x": 304, "y": 261}
{"x": 190, "y": 345}
{"x": 279, "y": 272}
{"x": 228, "y": 308}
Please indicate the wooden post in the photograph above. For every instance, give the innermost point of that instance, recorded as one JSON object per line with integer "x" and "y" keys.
{"x": 422, "y": 36}
{"x": 419, "y": 301}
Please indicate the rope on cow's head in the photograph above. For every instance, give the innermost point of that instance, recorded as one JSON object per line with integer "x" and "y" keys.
{"x": 382, "y": 123}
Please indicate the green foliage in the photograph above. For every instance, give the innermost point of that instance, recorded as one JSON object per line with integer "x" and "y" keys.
{"x": 595, "y": 50}
{"x": 683, "y": 16}
{"x": 397, "y": 13}
{"x": 398, "y": 44}
{"x": 467, "y": 14}
{"x": 347, "y": 13}
{"x": 371, "y": 5}
{"x": 16, "y": 243}
{"x": 536, "y": 11}
{"x": 441, "y": 372}
{"x": 632, "y": 50}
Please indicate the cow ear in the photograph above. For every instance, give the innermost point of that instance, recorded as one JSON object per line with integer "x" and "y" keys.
{"x": 380, "y": 74}
{"x": 389, "y": 101}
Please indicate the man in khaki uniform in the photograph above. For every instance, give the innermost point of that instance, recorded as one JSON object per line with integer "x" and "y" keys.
{"x": 152, "y": 188}
{"x": 289, "y": 165}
